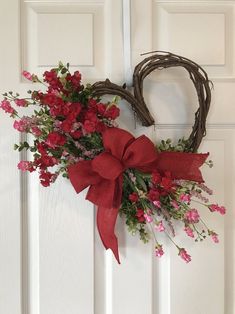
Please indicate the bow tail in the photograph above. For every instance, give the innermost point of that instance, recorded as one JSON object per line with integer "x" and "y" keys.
{"x": 182, "y": 165}
{"x": 106, "y": 220}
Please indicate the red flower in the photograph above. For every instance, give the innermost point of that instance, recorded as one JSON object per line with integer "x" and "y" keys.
{"x": 74, "y": 79}
{"x": 49, "y": 99}
{"x": 167, "y": 183}
{"x": 66, "y": 125}
{"x": 48, "y": 161}
{"x": 74, "y": 110}
{"x": 91, "y": 116}
{"x": 89, "y": 126}
{"x": 133, "y": 197}
{"x": 112, "y": 113}
{"x": 55, "y": 139}
{"x": 156, "y": 177}
{"x": 92, "y": 103}
{"x": 45, "y": 178}
{"x": 51, "y": 78}
{"x": 41, "y": 147}
{"x": 101, "y": 108}
{"x": 140, "y": 215}
{"x": 153, "y": 195}
{"x": 76, "y": 134}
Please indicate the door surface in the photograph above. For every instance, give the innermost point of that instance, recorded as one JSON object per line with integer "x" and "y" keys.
{"x": 51, "y": 258}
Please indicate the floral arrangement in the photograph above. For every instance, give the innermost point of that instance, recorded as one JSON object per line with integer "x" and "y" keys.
{"x": 76, "y": 136}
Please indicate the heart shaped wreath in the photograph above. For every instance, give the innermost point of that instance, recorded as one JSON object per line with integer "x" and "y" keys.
{"x": 76, "y": 135}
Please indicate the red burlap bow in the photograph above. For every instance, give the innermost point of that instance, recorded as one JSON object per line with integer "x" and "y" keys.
{"x": 104, "y": 174}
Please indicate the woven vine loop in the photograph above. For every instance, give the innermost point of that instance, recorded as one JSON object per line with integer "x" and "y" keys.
{"x": 159, "y": 60}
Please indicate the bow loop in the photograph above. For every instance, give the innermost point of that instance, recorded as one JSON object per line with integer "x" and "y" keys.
{"x": 107, "y": 166}
{"x": 140, "y": 153}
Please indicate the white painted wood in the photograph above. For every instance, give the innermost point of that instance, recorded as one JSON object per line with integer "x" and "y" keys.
{"x": 10, "y": 194}
{"x": 51, "y": 257}
{"x": 54, "y": 29}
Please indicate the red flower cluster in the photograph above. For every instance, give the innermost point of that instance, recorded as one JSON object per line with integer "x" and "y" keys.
{"x": 54, "y": 82}
{"x": 162, "y": 185}
{"x": 68, "y": 114}
{"x": 140, "y": 215}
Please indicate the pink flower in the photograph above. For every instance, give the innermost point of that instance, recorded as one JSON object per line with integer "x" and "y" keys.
{"x": 27, "y": 75}
{"x": 159, "y": 226}
{"x": 25, "y": 165}
{"x": 186, "y": 198}
{"x": 148, "y": 218}
{"x": 184, "y": 255}
{"x": 175, "y": 204}
{"x": 36, "y": 131}
{"x": 159, "y": 251}
{"x": 21, "y": 125}
{"x": 189, "y": 232}
{"x": 21, "y": 102}
{"x": 157, "y": 204}
{"x": 132, "y": 177}
{"x": 217, "y": 208}
{"x": 192, "y": 216}
{"x": 214, "y": 237}
{"x": 6, "y": 106}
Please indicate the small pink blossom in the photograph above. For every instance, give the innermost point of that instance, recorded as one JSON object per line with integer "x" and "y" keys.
{"x": 217, "y": 208}
{"x": 148, "y": 218}
{"x": 214, "y": 237}
{"x": 132, "y": 177}
{"x": 20, "y": 125}
{"x": 174, "y": 204}
{"x": 36, "y": 131}
{"x": 21, "y": 102}
{"x": 157, "y": 204}
{"x": 189, "y": 232}
{"x": 27, "y": 75}
{"x": 184, "y": 255}
{"x": 6, "y": 106}
{"x": 24, "y": 165}
{"x": 159, "y": 226}
{"x": 192, "y": 216}
{"x": 186, "y": 198}
{"x": 57, "y": 123}
{"x": 159, "y": 251}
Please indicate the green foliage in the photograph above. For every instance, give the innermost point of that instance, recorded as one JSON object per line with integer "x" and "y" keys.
{"x": 181, "y": 146}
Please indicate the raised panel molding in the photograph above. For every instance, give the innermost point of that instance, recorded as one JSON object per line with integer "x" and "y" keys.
{"x": 45, "y": 41}
{"x": 55, "y": 44}
{"x": 199, "y": 31}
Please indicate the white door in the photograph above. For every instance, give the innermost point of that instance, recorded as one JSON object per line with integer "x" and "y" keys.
{"x": 51, "y": 258}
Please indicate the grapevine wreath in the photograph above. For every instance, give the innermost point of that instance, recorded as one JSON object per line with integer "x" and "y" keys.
{"x": 75, "y": 135}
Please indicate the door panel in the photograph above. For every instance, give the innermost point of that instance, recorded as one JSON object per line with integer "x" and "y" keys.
{"x": 52, "y": 260}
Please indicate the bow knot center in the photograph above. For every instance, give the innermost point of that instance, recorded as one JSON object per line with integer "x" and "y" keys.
{"x": 107, "y": 166}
